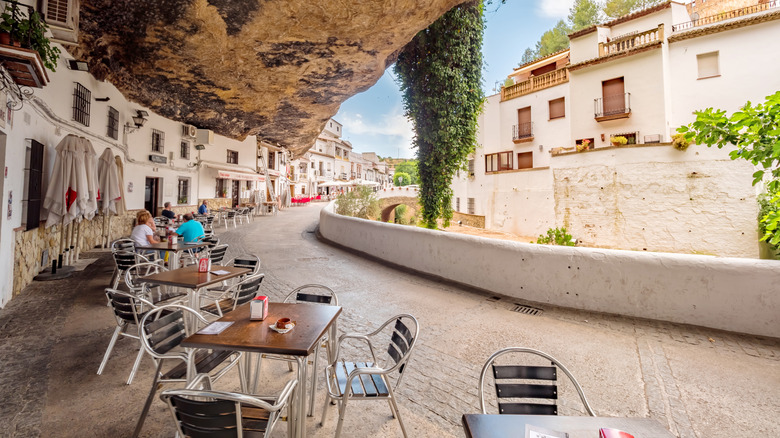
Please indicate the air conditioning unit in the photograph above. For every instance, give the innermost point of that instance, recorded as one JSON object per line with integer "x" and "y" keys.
{"x": 189, "y": 131}
{"x": 205, "y": 136}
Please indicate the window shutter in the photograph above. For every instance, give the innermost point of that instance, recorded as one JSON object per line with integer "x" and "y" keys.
{"x": 35, "y": 178}
{"x": 708, "y": 65}
{"x": 557, "y": 108}
{"x": 57, "y": 11}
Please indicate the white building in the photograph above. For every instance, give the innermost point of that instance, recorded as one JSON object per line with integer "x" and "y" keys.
{"x": 640, "y": 76}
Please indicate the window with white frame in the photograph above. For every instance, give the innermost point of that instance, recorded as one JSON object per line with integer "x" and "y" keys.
{"x": 708, "y": 65}
{"x": 183, "y": 191}
{"x": 185, "y": 150}
{"x": 232, "y": 157}
{"x": 158, "y": 141}
{"x": 471, "y": 203}
{"x": 113, "y": 123}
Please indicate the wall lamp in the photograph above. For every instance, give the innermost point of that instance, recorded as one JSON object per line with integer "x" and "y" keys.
{"x": 138, "y": 121}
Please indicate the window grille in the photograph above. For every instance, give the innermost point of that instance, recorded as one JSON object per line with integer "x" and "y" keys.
{"x": 184, "y": 190}
{"x": 113, "y": 123}
{"x": 57, "y": 11}
{"x": 232, "y": 157}
{"x": 82, "y": 98}
{"x": 158, "y": 141}
{"x": 457, "y": 204}
{"x": 471, "y": 167}
{"x": 185, "y": 150}
{"x": 471, "y": 203}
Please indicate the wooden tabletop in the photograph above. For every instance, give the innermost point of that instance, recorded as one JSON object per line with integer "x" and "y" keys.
{"x": 178, "y": 246}
{"x": 190, "y": 278}
{"x": 312, "y": 321}
{"x": 495, "y": 426}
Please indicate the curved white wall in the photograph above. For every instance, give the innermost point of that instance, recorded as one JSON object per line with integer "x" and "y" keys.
{"x": 732, "y": 294}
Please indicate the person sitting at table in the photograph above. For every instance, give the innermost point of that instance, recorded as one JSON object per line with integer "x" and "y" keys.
{"x": 145, "y": 232}
{"x": 191, "y": 230}
{"x": 167, "y": 212}
{"x": 203, "y": 209}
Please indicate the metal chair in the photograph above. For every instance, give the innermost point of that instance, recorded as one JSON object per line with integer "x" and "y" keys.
{"x": 162, "y": 331}
{"x": 370, "y": 380}
{"x": 507, "y": 377}
{"x": 248, "y": 261}
{"x": 217, "y": 254}
{"x": 134, "y": 280}
{"x": 124, "y": 260}
{"x": 236, "y": 295}
{"x": 205, "y": 412}
{"x": 242, "y": 214}
{"x": 230, "y": 216}
{"x": 128, "y": 311}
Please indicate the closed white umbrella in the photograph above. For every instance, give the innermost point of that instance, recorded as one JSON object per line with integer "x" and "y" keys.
{"x": 68, "y": 189}
{"x": 108, "y": 183}
{"x": 91, "y": 173}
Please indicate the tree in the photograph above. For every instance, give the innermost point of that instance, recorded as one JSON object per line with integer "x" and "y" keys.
{"x": 583, "y": 13}
{"x": 617, "y": 8}
{"x": 360, "y": 202}
{"x": 409, "y": 167}
{"x": 440, "y": 72}
{"x": 401, "y": 179}
{"x": 553, "y": 40}
{"x": 528, "y": 56}
{"x": 755, "y": 131}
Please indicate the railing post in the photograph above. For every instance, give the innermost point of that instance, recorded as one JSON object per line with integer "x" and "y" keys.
{"x": 601, "y": 49}
{"x": 661, "y": 32}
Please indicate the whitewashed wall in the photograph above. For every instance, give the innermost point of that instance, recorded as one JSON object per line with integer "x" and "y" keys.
{"x": 725, "y": 293}
{"x": 657, "y": 198}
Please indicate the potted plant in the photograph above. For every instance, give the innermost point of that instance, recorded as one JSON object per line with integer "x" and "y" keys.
{"x": 584, "y": 145}
{"x": 28, "y": 32}
{"x": 618, "y": 140}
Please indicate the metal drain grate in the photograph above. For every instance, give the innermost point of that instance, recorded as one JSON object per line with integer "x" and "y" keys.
{"x": 527, "y": 310}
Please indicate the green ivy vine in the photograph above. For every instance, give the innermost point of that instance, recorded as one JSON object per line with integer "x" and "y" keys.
{"x": 440, "y": 72}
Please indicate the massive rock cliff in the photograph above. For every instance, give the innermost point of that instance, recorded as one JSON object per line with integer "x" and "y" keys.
{"x": 275, "y": 68}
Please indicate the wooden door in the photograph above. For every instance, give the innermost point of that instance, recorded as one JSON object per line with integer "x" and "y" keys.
{"x": 613, "y": 94}
{"x": 524, "y": 122}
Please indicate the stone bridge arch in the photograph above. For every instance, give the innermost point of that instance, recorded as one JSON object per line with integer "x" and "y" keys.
{"x": 392, "y": 197}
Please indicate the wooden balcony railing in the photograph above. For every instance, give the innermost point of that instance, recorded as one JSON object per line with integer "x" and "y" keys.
{"x": 632, "y": 41}
{"x": 723, "y": 16}
{"x": 535, "y": 83}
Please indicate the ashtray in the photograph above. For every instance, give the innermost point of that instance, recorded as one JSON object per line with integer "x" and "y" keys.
{"x": 282, "y": 331}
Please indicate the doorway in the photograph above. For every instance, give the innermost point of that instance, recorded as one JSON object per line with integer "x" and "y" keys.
{"x": 236, "y": 192}
{"x": 152, "y": 195}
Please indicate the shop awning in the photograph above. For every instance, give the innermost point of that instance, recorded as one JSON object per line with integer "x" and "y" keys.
{"x": 240, "y": 173}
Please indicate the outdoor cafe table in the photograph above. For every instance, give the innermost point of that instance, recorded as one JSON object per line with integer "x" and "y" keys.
{"x": 192, "y": 280}
{"x": 495, "y": 426}
{"x": 174, "y": 249}
{"x": 256, "y": 337}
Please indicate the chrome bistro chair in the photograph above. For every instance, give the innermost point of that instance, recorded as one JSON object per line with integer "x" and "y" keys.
{"x": 372, "y": 379}
{"x": 208, "y": 413}
{"x": 517, "y": 386}
{"x": 236, "y": 295}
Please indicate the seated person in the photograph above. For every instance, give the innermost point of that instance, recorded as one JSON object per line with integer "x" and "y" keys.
{"x": 144, "y": 233}
{"x": 191, "y": 230}
{"x": 203, "y": 209}
{"x": 167, "y": 212}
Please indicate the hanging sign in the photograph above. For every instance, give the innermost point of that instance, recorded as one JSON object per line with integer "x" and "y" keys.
{"x": 158, "y": 159}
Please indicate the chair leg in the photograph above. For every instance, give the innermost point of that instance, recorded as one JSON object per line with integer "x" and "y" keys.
{"x": 110, "y": 348}
{"x": 342, "y": 412}
{"x": 397, "y": 412}
{"x": 135, "y": 365}
{"x": 325, "y": 406}
{"x": 149, "y": 401}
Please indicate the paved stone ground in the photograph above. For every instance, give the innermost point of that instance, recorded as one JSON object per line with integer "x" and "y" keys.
{"x": 698, "y": 382}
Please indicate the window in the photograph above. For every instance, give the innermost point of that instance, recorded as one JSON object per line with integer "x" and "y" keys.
{"x": 457, "y": 204}
{"x": 708, "y": 65}
{"x": 185, "y": 150}
{"x": 221, "y": 188}
{"x": 271, "y": 160}
{"x": 498, "y": 162}
{"x": 158, "y": 141}
{"x": 184, "y": 190}
{"x": 232, "y": 157}
{"x": 31, "y": 211}
{"x": 470, "y": 206}
{"x": 81, "y": 101}
{"x": 613, "y": 96}
{"x": 249, "y": 185}
{"x": 113, "y": 123}
{"x": 471, "y": 167}
{"x": 525, "y": 160}
{"x": 557, "y": 108}
{"x": 62, "y": 17}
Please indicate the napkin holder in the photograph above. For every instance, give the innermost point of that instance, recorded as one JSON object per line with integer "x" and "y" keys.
{"x": 204, "y": 264}
{"x": 258, "y": 308}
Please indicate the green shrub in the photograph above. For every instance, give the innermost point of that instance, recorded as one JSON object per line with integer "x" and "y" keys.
{"x": 768, "y": 218}
{"x": 360, "y": 202}
{"x": 556, "y": 236}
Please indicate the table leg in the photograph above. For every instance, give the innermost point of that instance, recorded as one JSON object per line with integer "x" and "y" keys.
{"x": 300, "y": 401}
{"x": 173, "y": 260}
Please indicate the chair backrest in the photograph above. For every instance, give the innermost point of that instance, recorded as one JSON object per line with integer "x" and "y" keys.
{"x": 231, "y": 214}
{"x": 513, "y": 391}
{"x": 124, "y": 244}
{"x": 312, "y": 293}
{"x": 403, "y": 337}
{"x": 134, "y": 275}
{"x": 127, "y": 307}
{"x": 217, "y": 254}
{"x": 210, "y": 239}
{"x": 126, "y": 259}
{"x": 248, "y": 261}
{"x": 246, "y": 290}
{"x": 163, "y": 329}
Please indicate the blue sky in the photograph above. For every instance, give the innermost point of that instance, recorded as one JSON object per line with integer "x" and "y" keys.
{"x": 374, "y": 121}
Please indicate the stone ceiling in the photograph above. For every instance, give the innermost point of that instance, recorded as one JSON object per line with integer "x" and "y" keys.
{"x": 277, "y": 69}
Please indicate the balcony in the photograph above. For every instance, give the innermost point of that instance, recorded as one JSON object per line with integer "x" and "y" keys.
{"x": 24, "y": 66}
{"x": 536, "y": 83}
{"x": 723, "y": 16}
{"x": 522, "y": 132}
{"x": 617, "y": 106}
{"x": 631, "y": 41}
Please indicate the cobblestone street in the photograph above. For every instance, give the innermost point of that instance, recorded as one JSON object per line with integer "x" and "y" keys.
{"x": 698, "y": 382}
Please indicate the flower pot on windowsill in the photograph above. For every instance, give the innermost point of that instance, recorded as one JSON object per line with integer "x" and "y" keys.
{"x": 5, "y": 38}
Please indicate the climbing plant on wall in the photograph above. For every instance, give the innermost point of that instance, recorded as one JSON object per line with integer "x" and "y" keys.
{"x": 440, "y": 72}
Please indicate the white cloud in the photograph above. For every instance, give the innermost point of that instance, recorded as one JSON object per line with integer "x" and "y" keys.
{"x": 391, "y": 134}
{"x": 554, "y": 8}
